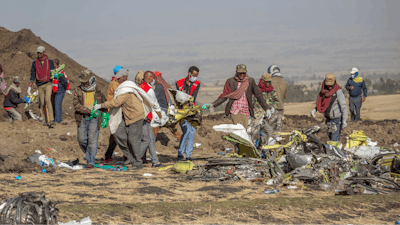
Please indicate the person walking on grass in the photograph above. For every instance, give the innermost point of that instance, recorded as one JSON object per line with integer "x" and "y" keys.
{"x": 88, "y": 127}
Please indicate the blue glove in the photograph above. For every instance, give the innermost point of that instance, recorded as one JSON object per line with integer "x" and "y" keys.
{"x": 27, "y": 99}
{"x": 206, "y": 106}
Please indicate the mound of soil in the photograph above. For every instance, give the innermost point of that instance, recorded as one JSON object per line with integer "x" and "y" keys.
{"x": 17, "y": 52}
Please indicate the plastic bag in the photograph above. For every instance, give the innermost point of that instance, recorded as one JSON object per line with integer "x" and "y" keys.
{"x": 104, "y": 119}
{"x": 157, "y": 121}
{"x": 94, "y": 114}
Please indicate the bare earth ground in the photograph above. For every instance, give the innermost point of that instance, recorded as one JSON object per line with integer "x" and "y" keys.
{"x": 166, "y": 197}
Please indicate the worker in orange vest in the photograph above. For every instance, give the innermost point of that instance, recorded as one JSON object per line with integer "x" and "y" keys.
{"x": 191, "y": 86}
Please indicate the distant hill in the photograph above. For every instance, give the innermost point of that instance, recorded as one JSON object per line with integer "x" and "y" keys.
{"x": 18, "y": 50}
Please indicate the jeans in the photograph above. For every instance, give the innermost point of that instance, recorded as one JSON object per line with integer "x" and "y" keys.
{"x": 148, "y": 141}
{"x": 187, "y": 140}
{"x": 336, "y": 135}
{"x": 355, "y": 102}
{"x": 58, "y": 99}
{"x": 88, "y": 136}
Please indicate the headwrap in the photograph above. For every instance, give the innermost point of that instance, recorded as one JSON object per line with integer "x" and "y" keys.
{"x": 274, "y": 71}
{"x": 264, "y": 88}
{"x": 325, "y": 97}
{"x": 160, "y": 80}
{"x": 228, "y": 93}
{"x": 92, "y": 84}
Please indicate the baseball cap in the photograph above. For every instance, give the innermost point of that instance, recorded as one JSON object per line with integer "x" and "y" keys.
{"x": 266, "y": 77}
{"x": 354, "y": 70}
{"x": 16, "y": 79}
{"x": 330, "y": 79}
{"x": 117, "y": 68}
{"x": 40, "y": 49}
{"x": 241, "y": 68}
{"x": 157, "y": 73}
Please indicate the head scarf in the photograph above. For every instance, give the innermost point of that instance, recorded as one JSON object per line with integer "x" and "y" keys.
{"x": 92, "y": 84}
{"x": 264, "y": 88}
{"x": 274, "y": 71}
{"x": 228, "y": 93}
{"x": 325, "y": 97}
{"x": 160, "y": 80}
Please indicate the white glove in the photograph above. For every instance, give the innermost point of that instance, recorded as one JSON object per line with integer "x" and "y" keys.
{"x": 68, "y": 92}
{"x": 97, "y": 107}
{"x": 344, "y": 124}
{"x": 269, "y": 114}
{"x": 313, "y": 112}
{"x": 29, "y": 91}
{"x": 272, "y": 110}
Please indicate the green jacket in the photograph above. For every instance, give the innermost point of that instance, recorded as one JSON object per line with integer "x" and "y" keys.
{"x": 270, "y": 98}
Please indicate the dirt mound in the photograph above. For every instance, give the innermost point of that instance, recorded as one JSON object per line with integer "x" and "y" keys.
{"x": 18, "y": 50}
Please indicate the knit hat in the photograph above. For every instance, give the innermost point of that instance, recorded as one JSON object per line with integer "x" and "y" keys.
{"x": 85, "y": 75}
{"x": 122, "y": 72}
{"x": 40, "y": 49}
{"x": 16, "y": 79}
{"x": 330, "y": 79}
{"x": 266, "y": 77}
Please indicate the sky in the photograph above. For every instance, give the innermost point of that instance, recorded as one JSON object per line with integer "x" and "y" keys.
{"x": 302, "y": 37}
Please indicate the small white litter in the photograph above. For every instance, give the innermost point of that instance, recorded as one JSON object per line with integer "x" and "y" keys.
{"x": 84, "y": 221}
{"x": 38, "y": 151}
{"x": 270, "y": 182}
{"x": 68, "y": 133}
{"x": 197, "y": 145}
{"x": 147, "y": 174}
{"x": 292, "y": 187}
{"x": 395, "y": 144}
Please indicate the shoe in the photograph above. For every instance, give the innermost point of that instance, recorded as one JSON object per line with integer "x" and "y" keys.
{"x": 179, "y": 158}
{"x": 90, "y": 166}
{"x": 189, "y": 159}
{"x": 108, "y": 160}
{"x": 45, "y": 124}
{"x": 52, "y": 123}
{"x": 156, "y": 165}
{"x": 127, "y": 162}
{"x": 145, "y": 161}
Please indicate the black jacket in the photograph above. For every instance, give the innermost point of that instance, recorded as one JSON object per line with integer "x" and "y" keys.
{"x": 252, "y": 89}
{"x": 12, "y": 99}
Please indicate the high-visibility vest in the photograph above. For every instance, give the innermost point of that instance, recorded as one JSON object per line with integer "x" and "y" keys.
{"x": 181, "y": 85}
{"x": 55, "y": 83}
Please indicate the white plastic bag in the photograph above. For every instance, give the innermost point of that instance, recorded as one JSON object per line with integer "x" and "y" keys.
{"x": 156, "y": 121}
{"x": 237, "y": 129}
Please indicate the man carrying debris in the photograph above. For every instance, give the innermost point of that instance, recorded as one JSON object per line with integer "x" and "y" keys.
{"x": 88, "y": 126}
{"x": 332, "y": 104}
{"x": 110, "y": 96}
{"x": 12, "y": 99}
{"x": 190, "y": 85}
{"x": 356, "y": 87}
{"x": 130, "y": 104}
{"x": 270, "y": 97}
{"x": 40, "y": 72}
{"x": 239, "y": 90}
{"x": 281, "y": 88}
{"x": 163, "y": 99}
{"x": 148, "y": 139}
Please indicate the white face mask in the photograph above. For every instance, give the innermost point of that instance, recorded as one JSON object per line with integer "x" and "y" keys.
{"x": 192, "y": 79}
{"x": 352, "y": 76}
{"x": 153, "y": 82}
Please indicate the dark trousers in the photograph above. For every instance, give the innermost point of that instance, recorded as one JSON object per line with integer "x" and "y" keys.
{"x": 355, "y": 104}
{"x": 58, "y": 99}
{"x": 336, "y": 135}
{"x": 129, "y": 140}
{"x": 112, "y": 144}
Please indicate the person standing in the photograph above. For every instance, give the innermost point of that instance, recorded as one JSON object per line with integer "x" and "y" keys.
{"x": 269, "y": 94}
{"x": 130, "y": 104}
{"x": 281, "y": 87}
{"x": 148, "y": 139}
{"x": 88, "y": 127}
{"x": 110, "y": 96}
{"x": 356, "y": 87}
{"x": 239, "y": 90}
{"x": 332, "y": 103}
{"x": 12, "y": 99}
{"x": 163, "y": 99}
{"x": 40, "y": 72}
{"x": 191, "y": 86}
{"x": 61, "y": 86}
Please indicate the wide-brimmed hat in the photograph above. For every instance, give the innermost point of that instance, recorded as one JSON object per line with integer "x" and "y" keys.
{"x": 266, "y": 77}
{"x": 330, "y": 79}
{"x": 241, "y": 68}
{"x": 85, "y": 76}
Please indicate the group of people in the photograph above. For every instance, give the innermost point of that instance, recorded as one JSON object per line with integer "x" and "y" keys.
{"x": 134, "y": 104}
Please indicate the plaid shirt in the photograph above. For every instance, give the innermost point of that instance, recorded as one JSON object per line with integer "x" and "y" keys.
{"x": 241, "y": 105}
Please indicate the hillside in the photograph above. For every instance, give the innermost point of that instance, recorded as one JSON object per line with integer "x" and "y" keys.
{"x": 18, "y": 50}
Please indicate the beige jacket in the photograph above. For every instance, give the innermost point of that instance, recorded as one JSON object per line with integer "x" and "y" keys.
{"x": 132, "y": 107}
{"x": 281, "y": 87}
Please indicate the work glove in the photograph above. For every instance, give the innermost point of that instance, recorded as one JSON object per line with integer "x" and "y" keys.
{"x": 272, "y": 110}
{"x": 313, "y": 112}
{"x": 344, "y": 124}
{"x": 97, "y": 107}
{"x": 27, "y": 99}
{"x": 206, "y": 106}
{"x": 29, "y": 91}
{"x": 269, "y": 114}
{"x": 68, "y": 92}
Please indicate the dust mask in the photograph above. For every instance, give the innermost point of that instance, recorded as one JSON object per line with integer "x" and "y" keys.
{"x": 152, "y": 83}
{"x": 192, "y": 79}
